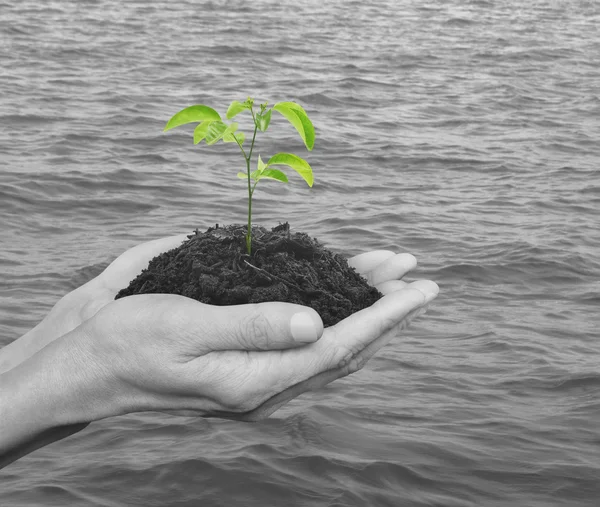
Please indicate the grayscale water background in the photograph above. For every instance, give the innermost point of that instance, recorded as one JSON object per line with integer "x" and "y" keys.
{"x": 464, "y": 132}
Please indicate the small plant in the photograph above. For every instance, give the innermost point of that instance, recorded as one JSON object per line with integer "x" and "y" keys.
{"x": 212, "y": 128}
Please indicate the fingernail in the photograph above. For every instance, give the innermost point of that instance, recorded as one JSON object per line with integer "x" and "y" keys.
{"x": 428, "y": 288}
{"x": 303, "y": 328}
{"x": 430, "y": 296}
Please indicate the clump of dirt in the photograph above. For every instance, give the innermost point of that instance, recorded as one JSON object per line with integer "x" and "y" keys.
{"x": 213, "y": 267}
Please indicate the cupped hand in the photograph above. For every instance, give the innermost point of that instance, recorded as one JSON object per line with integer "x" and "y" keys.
{"x": 85, "y": 301}
{"x": 383, "y": 269}
{"x": 170, "y": 353}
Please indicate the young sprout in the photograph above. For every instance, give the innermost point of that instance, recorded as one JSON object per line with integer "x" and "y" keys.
{"x": 211, "y": 128}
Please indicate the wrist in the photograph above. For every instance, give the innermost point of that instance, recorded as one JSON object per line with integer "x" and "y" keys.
{"x": 57, "y": 386}
{"x": 43, "y": 399}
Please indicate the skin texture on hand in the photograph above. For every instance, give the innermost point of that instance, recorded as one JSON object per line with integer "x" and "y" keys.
{"x": 85, "y": 301}
{"x": 94, "y": 357}
{"x": 171, "y": 353}
{"x": 383, "y": 269}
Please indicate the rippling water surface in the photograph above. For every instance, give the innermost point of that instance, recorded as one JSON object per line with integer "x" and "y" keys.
{"x": 464, "y": 132}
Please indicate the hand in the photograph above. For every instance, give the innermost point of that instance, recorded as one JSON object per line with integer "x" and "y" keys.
{"x": 170, "y": 353}
{"x": 172, "y": 348}
{"x": 85, "y": 301}
{"x": 382, "y": 269}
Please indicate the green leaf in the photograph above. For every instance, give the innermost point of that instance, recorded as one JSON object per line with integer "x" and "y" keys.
{"x": 242, "y": 176}
{"x": 274, "y": 174}
{"x": 235, "y": 108}
{"x": 263, "y": 120}
{"x": 192, "y": 114}
{"x": 216, "y": 129}
{"x": 229, "y": 138}
{"x": 298, "y": 164}
{"x": 261, "y": 164}
{"x": 230, "y": 129}
{"x": 297, "y": 116}
{"x": 200, "y": 131}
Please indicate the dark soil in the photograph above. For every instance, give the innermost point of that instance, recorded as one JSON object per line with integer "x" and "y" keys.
{"x": 213, "y": 267}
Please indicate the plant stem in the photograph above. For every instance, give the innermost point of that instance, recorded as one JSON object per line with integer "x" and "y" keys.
{"x": 250, "y": 189}
{"x": 249, "y": 230}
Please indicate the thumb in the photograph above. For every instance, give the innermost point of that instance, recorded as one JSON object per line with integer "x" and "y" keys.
{"x": 259, "y": 326}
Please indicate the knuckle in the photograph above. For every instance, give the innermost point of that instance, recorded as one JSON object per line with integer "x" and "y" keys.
{"x": 351, "y": 362}
{"x": 257, "y": 325}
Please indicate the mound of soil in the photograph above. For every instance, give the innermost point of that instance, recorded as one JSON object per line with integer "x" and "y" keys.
{"x": 213, "y": 267}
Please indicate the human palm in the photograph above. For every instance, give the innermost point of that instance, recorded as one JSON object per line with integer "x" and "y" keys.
{"x": 382, "y": 268}
{"x": 255, "y": 378}
{"x": 174, "y": 345}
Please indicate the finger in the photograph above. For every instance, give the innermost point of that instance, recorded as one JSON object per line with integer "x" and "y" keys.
{"x": 342, "y": 342}
{"x": 371, "y": 349}
{"x": 336, "y": 371}
{"x": 391, "y": 286}
{"x": 367, "y": 261}
{"x": 130, "y": 264}
{"x": 356, "y": 332}
{"x": 397, "y": 319}
{"x": 393, "y": 268}
{"x": 394, "y": 285}
{"x": 261, "y": 326}
{"x": 427, "y": 287}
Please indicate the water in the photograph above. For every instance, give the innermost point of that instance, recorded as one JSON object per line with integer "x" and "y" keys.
{"x": 465, "y": 133}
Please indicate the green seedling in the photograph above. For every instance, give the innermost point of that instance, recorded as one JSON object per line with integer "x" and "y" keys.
{"x": 211, "y": 128}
